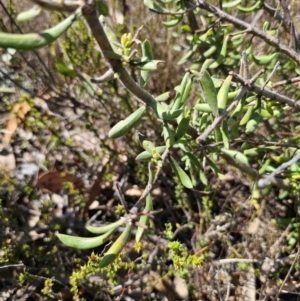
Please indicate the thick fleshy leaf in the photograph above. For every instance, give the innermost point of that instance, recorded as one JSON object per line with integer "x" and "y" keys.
{"x": 116, "y": 247}
{"x": 150, "y": 4}
{"x": 85, "y": 242}
{"x": 209, "y": 92}
{"x": 30, "y": 14}
{"x": 106, "y": 228}
{"x": 147, "y": 155}
{"x": 235, "y": 155}
{"x": 149, "y": 66}
{"x": 144, "y": 219}
{"x": 180, "y": 173}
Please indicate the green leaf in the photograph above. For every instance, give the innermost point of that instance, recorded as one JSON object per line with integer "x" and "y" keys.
{"x": 144, "y": 219}
{"x": 214, "y": 167}
{"x": 163, "y": 97}
{"x": 163, "y": 113}
{"x": 106, "y": 228}
{"x": 180, "y": 173}
{"x": 150, "y": 4}
{"x": 116, "y": 247}
{"x": 102, "y": 8}
{"x": 209, "y": 92}
{"x": 168, "y": 134}
{"x": 146, "y": 155}
{"x": 235, "y": 155}
{"x": 148, "y": 146}
{"x": 146, "y": 52}
{"x": 203, "y": 177}
{"x": 225, "y": 134}
{"x": 253, "y": 123}
{"x": 85, "y": 242}
{"x": 186, "y": 57}
{"x": 231, "y": 3}
{"x": 174, "y": 20}
{"x": 203, "y": 107}
{"x": 29, "y": 14}
{"x": 149, "y": 66}
{"x": 258, "y": 151}
{"x": 194, "y": 160}
{"x": 62, "y": 68}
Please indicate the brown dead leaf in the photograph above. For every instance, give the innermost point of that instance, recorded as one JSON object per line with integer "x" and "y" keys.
{"x": 54, "y": 181}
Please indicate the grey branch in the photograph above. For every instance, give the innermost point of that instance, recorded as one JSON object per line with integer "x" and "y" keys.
{"x": 91, "y": 16}
{"x": 267, "y": 93}
{"x": 66, "y": 5}
{"x": 103, "y": 78}
{"x": 274, "y": 41}
{"x": 219, "y": 118}
{"x": 267, "y": 180}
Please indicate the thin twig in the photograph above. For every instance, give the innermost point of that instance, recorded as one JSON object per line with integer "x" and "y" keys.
{"x": 103, "y": 78}
{"x": 90, "y": 14}
{"x": 202, "y": 138}
{"x": 252, "y": 173}
{"x": 267, "y": 180}
{"x": 41, "y": 61}
{"x": 261, "y": 142}
{"x": 65, "y": 5}
{"x": 17, "y": 265}
{"x": 121, "y": 195}
{"x": 264, "y": 92}
{"x": 219, "y": 118}
{"x": 257, "y": 32}
{"x": 149, "y": 186}
{"x": 291, "y": 26}
{"x": 275, "y": 14}
{"x": 271, "y": 75}
{"x": 290, "y": 270}
{"x": 294, "y": 80}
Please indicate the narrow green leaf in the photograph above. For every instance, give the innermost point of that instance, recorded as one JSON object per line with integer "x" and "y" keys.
{"x": 148, "y": 146}
{"x": 163, "y": 113}
{"x": 194, "y": 160}
{"x": 106, "y": 228}
{"x": 30, "y": 14}
{"x": 168, "y": 134}
{"x": 147, "y": 155}
{"x": 144, "y": 219}
{"x": 209, "y": 92}
{"x": 231, "y": 3}
{"x": 225, "y": 134}
{"x": 253, "y": 123}
{"x": 163, "y": 97}
{"x": 174, "y": 20}
{"x": 146, "y": 52}
{"x": 116, "y": 247}
{"x": 150, "y": 4}
{"x": 62, "y": 68}
{"x": 203, "y": 107}
{"x": 180, "y": 173}
{"x": 214, "y": 167}
{"x": 149, "y": 66}
{"x": 235, "y": 155}
{"x": 203, "y": 177}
